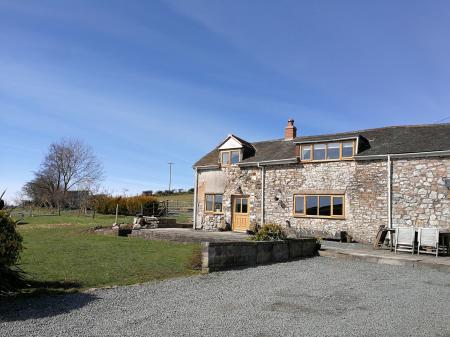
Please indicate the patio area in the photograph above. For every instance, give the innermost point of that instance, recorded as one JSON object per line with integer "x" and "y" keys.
{"x": 363, "y": 252}
{"x": 189, "y": 235}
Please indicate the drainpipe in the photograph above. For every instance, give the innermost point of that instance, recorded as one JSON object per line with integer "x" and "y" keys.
{"x": 389, "y": 186}
{"x": 194, "y": 220}
{"x": 263, "y": 175}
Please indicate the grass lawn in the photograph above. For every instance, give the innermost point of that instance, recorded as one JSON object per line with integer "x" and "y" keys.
{"x": 63, "y": 254}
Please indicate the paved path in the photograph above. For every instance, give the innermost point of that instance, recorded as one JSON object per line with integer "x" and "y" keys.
{"x": 314, "y": 297}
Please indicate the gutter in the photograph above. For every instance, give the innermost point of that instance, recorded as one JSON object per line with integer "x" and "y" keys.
{"x": 389, "y": 191}
{"x": 405, "y": 155}
{"x": 325, "y": 140}
{"x": 194, "y": 220}
{"x": 205, "y": 167}
{"x": 270, "y": 162}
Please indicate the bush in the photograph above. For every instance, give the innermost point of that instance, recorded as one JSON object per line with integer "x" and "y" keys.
{"x": 270, "y": 232}
{"x": 106, "y": 204}
{"x": 11, "y": 278}
{"x": 10, "y": 240}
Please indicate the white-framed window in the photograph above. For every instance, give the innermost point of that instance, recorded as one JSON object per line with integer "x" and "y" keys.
{"x": 231, "y": 157}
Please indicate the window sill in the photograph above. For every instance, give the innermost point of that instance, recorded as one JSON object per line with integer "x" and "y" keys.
{"x": 213, "y": 213}
{"x": 334, "y": 217}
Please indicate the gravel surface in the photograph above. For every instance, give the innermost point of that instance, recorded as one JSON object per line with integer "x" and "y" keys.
{"x": 314, "y": 297}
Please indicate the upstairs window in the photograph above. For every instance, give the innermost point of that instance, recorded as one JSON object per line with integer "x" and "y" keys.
{"x": 319, "y": 151}
{"x": 327, "y": 151}
{"x": 333, "y": 150}
{"x": 230, "y": 157}
{"x": 347, "y": 150}
{"x": 235, "y": 157}
{"x": 226, "y": 158}
{"x": 306, "y": 152}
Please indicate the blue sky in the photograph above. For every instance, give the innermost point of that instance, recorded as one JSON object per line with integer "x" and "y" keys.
{"x": 148, "y": 82}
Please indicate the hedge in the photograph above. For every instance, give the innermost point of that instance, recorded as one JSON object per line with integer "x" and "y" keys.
{"x": 106, "y": 204}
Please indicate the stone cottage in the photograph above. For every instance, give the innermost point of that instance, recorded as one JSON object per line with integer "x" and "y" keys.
{"x": 324, "y": 185}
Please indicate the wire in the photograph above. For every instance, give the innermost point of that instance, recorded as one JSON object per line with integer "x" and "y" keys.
{"x": 444, "y": 119}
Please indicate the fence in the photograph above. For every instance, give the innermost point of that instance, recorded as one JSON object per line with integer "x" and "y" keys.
{"x": 182, "y": 210}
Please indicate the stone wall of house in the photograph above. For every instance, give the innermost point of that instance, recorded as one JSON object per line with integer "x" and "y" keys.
{"x": 363, "y": 184}
{"x": 236, "y": 181}
{"x": 419, "y": 195}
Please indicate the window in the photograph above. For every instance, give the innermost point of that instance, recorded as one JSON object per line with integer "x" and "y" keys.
{"x": 333, "y": 150}
{"x": 320, "y": 205}
{"x": 213, "y": 203}
{"x": 225, "y": 158}
{"x": 234, "y": 157}
{"x": 218, "y": 203}
{"x": 338, "y": 206}
{"x": 325, "y": 205}
{"x": 244, "y": 208}
{"x": 319, "y": 151}
{"x": 230, "y": 157}
{"x": 241, "y": 205}
{"x": 209, "y": 201}
{"x": 327, "y": 151}
{"x": 311, "y": 205}
{"x": 347, "y": 149}
{"x": 306, "y": 152}
{"x": 299, "y": 204}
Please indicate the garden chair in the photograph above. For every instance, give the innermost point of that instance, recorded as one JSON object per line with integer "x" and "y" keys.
{"x": 428, "y": 241}
{"x": 404, "y": 239}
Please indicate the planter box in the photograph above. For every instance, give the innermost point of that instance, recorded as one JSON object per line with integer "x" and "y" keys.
{"x": 229, "y": 255}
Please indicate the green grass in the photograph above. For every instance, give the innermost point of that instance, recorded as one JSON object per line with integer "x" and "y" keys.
{"x": 63, "y": 254}
{"x": 180, "y": 197}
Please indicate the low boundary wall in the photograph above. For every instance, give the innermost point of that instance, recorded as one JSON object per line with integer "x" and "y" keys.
{"x": 228, "y": 255}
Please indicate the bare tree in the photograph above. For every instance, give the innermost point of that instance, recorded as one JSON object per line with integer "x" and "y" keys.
{"x": 68, "y": 165}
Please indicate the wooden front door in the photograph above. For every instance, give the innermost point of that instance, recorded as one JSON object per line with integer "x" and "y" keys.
{"x": 241, "y": 214}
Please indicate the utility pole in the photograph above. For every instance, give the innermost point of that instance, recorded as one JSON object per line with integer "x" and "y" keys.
{"x": 170, "y": 175}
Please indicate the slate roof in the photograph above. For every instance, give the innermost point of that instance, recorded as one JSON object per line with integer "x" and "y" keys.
{"x": 380, "y": 141}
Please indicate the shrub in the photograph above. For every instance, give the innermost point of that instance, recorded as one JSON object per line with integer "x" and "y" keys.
{"x": 10, "y": 240}
{"x": 270, "y": 232}
{"x": 11, "y": 278}
{"x": 106, "y": 204}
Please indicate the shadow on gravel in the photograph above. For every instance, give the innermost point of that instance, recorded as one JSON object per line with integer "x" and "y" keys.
{"x": 42, "y": 303}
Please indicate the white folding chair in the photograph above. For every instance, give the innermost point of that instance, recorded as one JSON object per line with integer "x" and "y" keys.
{"x": 404, "y": 239}
{"x": 428, "y": 241}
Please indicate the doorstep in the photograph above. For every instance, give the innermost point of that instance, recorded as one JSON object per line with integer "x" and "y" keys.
{"x": 441, "y": 263}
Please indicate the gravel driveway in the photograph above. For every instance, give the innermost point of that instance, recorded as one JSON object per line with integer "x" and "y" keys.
{"x": 314, "y": 297}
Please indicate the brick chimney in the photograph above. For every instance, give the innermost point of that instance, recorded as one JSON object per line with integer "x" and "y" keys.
{"x": 290, "y": 132}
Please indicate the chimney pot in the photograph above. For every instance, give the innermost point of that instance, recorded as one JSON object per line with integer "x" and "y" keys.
{"x": 290, "y": 132}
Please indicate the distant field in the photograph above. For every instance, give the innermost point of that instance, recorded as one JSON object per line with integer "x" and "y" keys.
{"x": 63, "y": 254}
{"x": 180, "y": 197}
